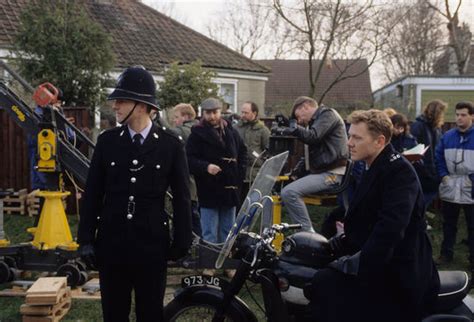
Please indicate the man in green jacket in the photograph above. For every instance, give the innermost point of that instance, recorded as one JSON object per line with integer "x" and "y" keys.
{"x": 255, "y": 136}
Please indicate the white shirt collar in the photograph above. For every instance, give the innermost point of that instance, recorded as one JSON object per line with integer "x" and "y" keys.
{"x": 144, "y": 133}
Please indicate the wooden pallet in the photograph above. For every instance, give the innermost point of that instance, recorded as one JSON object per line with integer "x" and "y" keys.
{"x": 47, "y": 291}
{"x": 15, "y": 203}
{"x": 33, "y": 203}
{"x": 45, "y": 310}
{"x": 48, "y": 299}
{"x": 60, "y": 310}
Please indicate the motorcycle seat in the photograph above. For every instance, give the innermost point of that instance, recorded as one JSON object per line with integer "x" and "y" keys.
{"x": 454, "y": 286}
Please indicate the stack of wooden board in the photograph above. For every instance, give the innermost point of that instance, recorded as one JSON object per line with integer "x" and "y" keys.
{"x": 48, "y": 300}
{"x": 15, "y": 203}
{"x": 33, "y": 203}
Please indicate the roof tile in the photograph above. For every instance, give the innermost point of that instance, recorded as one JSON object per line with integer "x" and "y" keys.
{"x": 142, "y": 36}
{"x": 289, "y": 79}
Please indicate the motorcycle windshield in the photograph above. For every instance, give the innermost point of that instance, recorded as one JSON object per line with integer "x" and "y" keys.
{"x": 257, "y": 197}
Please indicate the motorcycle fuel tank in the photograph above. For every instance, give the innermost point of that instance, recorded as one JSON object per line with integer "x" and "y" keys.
{"x": 306, "y": 249}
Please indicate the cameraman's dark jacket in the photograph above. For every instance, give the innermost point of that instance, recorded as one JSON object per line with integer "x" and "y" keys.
{"x": 327, "y": 141}
{"x": 205, "y": 147}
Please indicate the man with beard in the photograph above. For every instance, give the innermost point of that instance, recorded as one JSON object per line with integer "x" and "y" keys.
{"x": 217, "y": 157}
{"x": 255, "y": 136}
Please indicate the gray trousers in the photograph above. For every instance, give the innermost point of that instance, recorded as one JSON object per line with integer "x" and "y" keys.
{"x": 293, "y": 193}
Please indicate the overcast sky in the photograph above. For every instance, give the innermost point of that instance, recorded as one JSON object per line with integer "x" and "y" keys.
{"x": 196, "y": 13}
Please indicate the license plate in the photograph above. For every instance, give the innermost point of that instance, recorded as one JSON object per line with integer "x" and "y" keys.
{"x": 194, "y": 280}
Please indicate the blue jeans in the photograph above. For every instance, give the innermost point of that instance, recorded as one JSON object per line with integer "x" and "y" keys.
{"x": 293, "y": 193}
{"x": 216, "y": 223}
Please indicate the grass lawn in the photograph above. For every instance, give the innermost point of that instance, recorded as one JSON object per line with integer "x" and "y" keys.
{"x": 89, "y": 310}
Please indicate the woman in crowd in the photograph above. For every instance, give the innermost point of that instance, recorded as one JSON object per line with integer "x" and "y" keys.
{"x": 427, "y": 130}
{"x": 401, "y": 139}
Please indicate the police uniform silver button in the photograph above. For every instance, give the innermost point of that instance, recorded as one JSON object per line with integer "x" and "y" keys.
{"x": 158, "y": 166}
{"x": 133, "y": 180}
{"x": 112, "y": 163}
{"x": 98, "y": 217}
{"x": 129, "y": 216}
{"x": 164, "y": 128}
{"x": 131, "y": 198}
{"x": 180, "y": 137}
{"x": 156, "y": 135}
{"x": 135, "y": 162}
{"x": 165, "y": 223}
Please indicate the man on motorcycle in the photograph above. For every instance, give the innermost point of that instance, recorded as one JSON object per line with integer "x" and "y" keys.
{"x": 385, "y": 270}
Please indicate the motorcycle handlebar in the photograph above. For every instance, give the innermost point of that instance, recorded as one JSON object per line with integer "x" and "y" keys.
{"x": 284, "y": 226}
{"x": 293, "y": 226}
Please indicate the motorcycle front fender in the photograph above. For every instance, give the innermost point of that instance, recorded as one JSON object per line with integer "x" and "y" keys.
{"x": 214, "y": 296}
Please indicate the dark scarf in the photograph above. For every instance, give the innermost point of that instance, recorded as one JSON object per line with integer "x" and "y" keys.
{"x": 219, "y": 128}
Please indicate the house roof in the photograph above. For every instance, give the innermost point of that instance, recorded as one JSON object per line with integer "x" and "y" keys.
{"x": 142, "y": 36}
{"x": 290, "y": 79}
{"x": 442, "y": 65}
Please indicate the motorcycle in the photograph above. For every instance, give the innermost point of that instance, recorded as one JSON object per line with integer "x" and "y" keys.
{"x": 282, "y": 276}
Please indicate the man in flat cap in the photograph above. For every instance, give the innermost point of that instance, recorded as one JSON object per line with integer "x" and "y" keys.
{"x": 217, "y": 158}
{"x": 124, "y": 229}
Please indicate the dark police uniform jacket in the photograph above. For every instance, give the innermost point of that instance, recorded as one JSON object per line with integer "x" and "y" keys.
{"x": 385, "y": 221}
{"x": 123, "y": 208}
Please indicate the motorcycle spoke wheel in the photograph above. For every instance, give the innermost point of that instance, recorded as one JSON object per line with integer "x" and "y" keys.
{"x": 197, "y": 313}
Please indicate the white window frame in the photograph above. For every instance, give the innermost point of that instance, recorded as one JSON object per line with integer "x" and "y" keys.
{"x": 226, "y": 81}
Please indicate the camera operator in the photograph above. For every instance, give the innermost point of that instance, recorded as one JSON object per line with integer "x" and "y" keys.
{"x": 322, "y": 131}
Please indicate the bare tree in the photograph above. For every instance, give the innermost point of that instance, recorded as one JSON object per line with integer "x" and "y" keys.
{"x": 168, "y": 9}
{"x": 251, "y": 28}
{"x": 459, "y": 35}
{"x": 414, "y": 42}
{"x": 328, "y": 29}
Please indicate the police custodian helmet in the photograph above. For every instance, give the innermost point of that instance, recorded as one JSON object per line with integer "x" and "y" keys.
{"x": 136, "y": 84}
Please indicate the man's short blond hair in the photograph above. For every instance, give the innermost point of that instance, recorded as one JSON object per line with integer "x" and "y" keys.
{"x": 185, "y": 109}
{"x": 378, "y": 122}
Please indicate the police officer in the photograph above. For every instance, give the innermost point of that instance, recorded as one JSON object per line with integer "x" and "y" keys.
{"x": 124, "y": 228}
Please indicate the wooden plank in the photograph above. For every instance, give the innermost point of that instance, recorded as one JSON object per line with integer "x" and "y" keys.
{"x": 44, "y": 310}
{"x": 56, "y": 317}
{"x": 47, "y": 285}
{"x": 46, "y": 299}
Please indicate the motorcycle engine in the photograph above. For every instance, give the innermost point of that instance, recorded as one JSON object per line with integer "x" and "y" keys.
{"x": 306, "y": 249}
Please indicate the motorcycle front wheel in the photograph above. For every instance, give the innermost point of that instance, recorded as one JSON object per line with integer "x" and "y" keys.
{"x": 194, "y": 312}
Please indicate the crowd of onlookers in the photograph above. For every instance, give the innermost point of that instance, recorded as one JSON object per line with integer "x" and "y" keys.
{"x": 224, "y": 155}
{"x": 447, "y": 167}
{"x": 225, "y": 150}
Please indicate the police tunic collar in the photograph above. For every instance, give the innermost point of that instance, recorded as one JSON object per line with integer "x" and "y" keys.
{"x": 144, "y": 132}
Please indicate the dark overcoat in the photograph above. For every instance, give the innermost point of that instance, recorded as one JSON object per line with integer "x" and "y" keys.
{"x": 424, "y": 133}
{"x": 385, "y": 222}
{"x": 205, "y": 147}
{"x": 123, "y": 206}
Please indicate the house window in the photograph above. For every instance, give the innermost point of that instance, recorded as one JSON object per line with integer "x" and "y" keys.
{"x": 227, "y": 92}
{"x": 399, "y": 90}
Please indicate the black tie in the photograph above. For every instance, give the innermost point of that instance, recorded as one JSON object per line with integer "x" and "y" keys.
{"x": 137, "y": 140}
